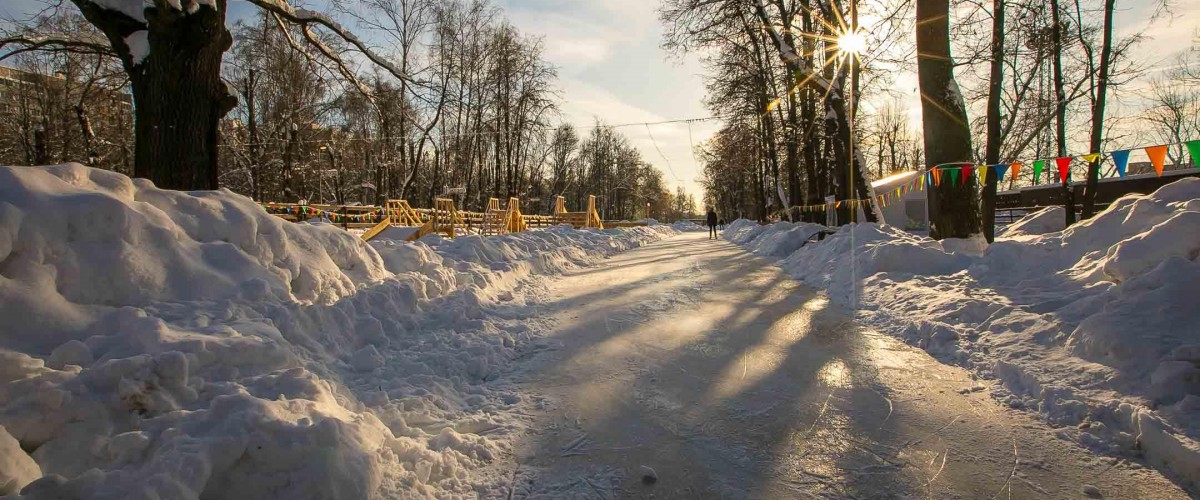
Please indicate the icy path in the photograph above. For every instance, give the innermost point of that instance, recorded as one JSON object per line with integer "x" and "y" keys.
{"x": 731, "y": 380}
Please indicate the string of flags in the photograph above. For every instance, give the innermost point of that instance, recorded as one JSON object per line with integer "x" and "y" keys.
{"x": 310, "y": 212}
{"x": 961, "y": 172}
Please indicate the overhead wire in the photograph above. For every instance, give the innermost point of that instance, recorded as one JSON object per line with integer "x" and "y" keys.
{"x": 266, "y": 142}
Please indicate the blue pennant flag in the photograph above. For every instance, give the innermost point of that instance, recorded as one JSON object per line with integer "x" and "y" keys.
{"x": 1121, "y": 158}
{"x": 1001, "y": 169}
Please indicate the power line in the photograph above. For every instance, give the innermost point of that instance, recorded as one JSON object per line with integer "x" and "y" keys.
{"x": 478, "y": 134}
{"x": 660, "y": 153}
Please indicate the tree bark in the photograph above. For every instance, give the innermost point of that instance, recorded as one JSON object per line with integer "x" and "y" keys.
{"x": 1097, "y": 139}
{"x": 992, "y": 150}
{"x": 1060, "y": 108}
{"x": 952, "y": 208}
{"x": 179, "y": 98}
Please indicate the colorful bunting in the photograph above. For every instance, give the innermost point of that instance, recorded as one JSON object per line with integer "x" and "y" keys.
{"x": 1193, "y": 148}
{"x": 1064, "y": 168}
{"x": 1001, "y": 169}
{"x": 1157, "y": 154}
{"x": 1121, "y": 158}
{"x": 1038, "y": 166}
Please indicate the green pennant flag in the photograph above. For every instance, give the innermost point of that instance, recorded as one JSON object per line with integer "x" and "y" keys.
{"x": 1037, "y": 170}
{"x": 1194, "y": 150}
{"x": 954, "y": 177}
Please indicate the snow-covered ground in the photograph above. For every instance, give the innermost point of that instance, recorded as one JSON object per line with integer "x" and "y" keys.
{"x": 1095, "y": 328}
{"x": 159, "y": 344}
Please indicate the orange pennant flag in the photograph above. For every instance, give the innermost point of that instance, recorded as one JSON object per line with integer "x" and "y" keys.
{"x": 1157, "y": 154}
{"x": 1016, "y": 169}
{"x": 937, "y": 177}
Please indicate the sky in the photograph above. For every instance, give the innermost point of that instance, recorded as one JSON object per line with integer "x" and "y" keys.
{"x": 611, "y": 68}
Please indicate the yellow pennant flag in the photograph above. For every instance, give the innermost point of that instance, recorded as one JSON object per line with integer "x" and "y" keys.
{"x": 1091, "y": 158}
{"x": 983, "y": 173}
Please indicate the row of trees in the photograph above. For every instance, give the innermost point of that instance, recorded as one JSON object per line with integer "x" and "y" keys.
{"x": 1013, "y": 80}
{"x": 449, "y": 100}
{"x": 777, "y": 77}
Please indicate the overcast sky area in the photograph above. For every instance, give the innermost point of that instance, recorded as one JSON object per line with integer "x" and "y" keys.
{"x": 611, "y": 68}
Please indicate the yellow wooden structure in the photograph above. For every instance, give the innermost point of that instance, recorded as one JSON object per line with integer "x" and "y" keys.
{"x": 396, "y": 213}
{"x": 496, "y": 221}
{"x": 516, "y": 220}
{"x": 400, "y": 213}
{"x": 587, "y": 218}
{"x": 444, "y": 219}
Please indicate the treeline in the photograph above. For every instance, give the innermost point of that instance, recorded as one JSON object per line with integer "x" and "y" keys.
{"x": 1002, "y": 81}
{"x": 475, "y": 115}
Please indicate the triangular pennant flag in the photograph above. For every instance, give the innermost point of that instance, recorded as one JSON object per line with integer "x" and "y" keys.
{"x": 1000, "y": 170}
{"x": 937, "y": 177}
{"x": 953, "y": 176}
{"x": 983, "y": 173}
{"x": 1064, "y": 168}
{"x": 1091, "y": 158}
{"x": 967, "y": 174}
{"x": 1121, "y": 158}
{"x": 1038, "y": 166}
{"x": 1194, "y": 150}
{"x": 1157, "y": 154}
{"x": 1016, "y": 169}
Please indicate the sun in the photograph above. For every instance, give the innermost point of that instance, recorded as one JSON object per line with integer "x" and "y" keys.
{"x": 851, "y": 43}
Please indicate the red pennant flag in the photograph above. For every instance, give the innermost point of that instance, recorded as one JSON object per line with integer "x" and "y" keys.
{"x": 1157, "y": 154}
{"x": 967, "y": 171}
{"x": 1064, "y": 168}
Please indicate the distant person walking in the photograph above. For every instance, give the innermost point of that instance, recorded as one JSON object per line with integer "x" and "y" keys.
{"x": 712, "y": 224}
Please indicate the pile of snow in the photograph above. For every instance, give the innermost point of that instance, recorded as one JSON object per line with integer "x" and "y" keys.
{"x": 687, "y": 226}
{"x": 1046, "y": 220}
{"x": 1094, "y": 327}
{"x": 160, "y": 344}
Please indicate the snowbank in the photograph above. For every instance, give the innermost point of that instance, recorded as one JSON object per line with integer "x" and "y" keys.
{"x": 1093, "y": 327}
{"x": 159, "y": 344}
{"x": 687, "y": 226}
{"x": 1046, "y": 220}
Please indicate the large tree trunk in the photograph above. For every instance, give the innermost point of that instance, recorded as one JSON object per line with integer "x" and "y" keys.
{"x": 179, "y": 98}
{"x": 952, "y": 207}
{"x": 1060, "y": 108}
{"x": 1093, "y": 178}
{"x": 992, "y": 152}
